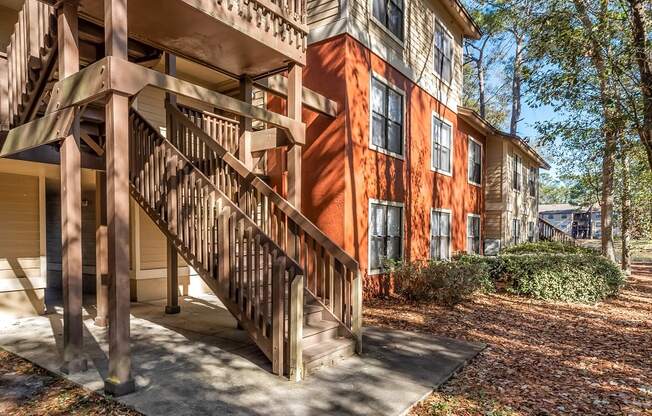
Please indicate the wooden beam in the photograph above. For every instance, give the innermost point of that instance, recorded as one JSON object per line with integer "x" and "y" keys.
{"x": 47, "y": 129}
{"x": 126, "y": 78}
{"x": 92, "y": 143}
{"x": 278, "y": 85}
{"x": 119, "y": 380}
{"x": 294, "y": 152}
{"x": 244, "y": 141}
{"x": 71, "y": 230}
{"x": 268, "y": 139}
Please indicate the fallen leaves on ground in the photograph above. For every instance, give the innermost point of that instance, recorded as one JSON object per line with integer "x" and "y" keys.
{"x": 27, "y": 389}
{"x": 541, "y": 358}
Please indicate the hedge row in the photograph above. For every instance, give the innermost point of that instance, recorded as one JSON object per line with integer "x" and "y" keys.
{"x": 581, "y": 277}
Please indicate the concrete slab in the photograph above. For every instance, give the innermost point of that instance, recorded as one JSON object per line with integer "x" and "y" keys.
{"x": 198, "y": 363}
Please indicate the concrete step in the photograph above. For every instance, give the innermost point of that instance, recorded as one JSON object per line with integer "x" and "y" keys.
{"x": 326, "y": 354}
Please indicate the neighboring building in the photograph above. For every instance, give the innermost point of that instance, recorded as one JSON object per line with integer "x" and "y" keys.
{"x": 577, "y": 221}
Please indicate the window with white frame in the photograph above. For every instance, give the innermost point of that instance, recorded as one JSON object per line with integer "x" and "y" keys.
{"x": 440, "y": 234}
{"x": 475, "y": 162}
{"x": 532, "y": 181}
{"x": 442, "y": 152}
{"x": 443, "y": 53}
{"x": 389, "y": 13}
{"x": 531, "y": 230}
{"x": 473, "y": 234}
{"x": 516, "y": 231}
{"x": 517, "y": 167}
{"x": 386, "y": 118}
{"x": 385, "y": 233}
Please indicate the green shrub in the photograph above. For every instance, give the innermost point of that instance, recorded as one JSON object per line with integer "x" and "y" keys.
{"x": 551, "y": 247}
{"x": 582, "y": 278}
{"x": 443, "y": 282}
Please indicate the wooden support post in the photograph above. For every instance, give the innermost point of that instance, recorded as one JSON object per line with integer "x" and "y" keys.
{"x": 295, "y": 332}
{"x": 119, "y": 380}
{"x": 101, "y": 258}
{"x": 244, "y": 142}
{"x": 294, "y": 152}
{"x": 71, "y": 251}
{"x": 356, "y": 300}
{"x": 278, "y": 320}
{"x": 172, "y": 306}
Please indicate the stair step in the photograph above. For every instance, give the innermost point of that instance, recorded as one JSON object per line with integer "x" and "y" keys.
{"x": 327, "y": 354}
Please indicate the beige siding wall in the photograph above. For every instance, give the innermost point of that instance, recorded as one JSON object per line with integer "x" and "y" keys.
{"x": 414, "y": 55}
{"x": 494, "y": 176}
{"x": 152, "y": 244}
{"x": 322, "y": 12}
{"x": 519, "y": 204}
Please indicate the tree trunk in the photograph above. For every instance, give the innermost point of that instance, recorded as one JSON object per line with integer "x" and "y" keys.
{"x": 625, "y": 231}
{"x": 481, "y": 87}
{"x": 608, "y": 162}
{"x": 516, "y": 86}
{"x": 640, "y": 44}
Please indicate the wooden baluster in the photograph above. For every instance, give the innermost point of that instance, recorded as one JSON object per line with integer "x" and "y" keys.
{"x": 356, "y": 301}
{"x": 266, "y": 288}
{"x": 337, "y": 291}
{"x": 257, "y": 281}
{"x": 250, "y": 274}
{"x": 295, "y": 326}
{"x": 321, "y": 266}
{"x": 240, "y": 256}
{"x": 278, "y": 318}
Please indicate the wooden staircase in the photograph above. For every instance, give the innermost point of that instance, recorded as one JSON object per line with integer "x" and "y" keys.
{"x": 294, "y": 291}
{"x": 31, "y": 57}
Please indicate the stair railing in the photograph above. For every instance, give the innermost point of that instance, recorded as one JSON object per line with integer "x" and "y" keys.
{"x": 332, "y": 275}
{"x": 259, "y": 284}
{"x": 33, "y": 36}
{"x": 549, "y": 232}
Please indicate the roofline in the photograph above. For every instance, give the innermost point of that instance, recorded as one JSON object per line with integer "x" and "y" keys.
{"x": 459, "y": 12}
{"x": 476, "y": 120}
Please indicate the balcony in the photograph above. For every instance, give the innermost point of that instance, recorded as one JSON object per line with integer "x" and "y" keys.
{"x": 237, "y": 36}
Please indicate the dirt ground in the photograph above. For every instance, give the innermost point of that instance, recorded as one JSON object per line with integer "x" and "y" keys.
{"x": 542, "y": 358}
{"x": 26, "y": 389}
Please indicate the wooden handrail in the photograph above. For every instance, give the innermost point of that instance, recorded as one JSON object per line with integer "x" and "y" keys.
{"x": 550, "y": 232}
{"x": 250, "y": 177}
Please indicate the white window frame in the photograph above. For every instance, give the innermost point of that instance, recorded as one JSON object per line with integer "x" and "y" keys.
{"x": 432, "y": 147}
{"x": 515, "y": 170}
{"x": 469, "y": 216}
{"x": 385, "y": 29}
{"x": 401, "y": 205}
{"x": 450, "y": 232}
{"x": 468, "y": 161}
{"x": 436, "y": 21}
{"x": 536, "y": 182}
{"x": 516, "y": 239}
{"x": 371, "y": 117}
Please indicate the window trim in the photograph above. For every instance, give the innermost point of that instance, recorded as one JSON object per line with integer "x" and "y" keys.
{"x": 516, "y": 239}
{"x": 468, "y": 153}
{"x": 450, "y": 232}
{"x": 519, "y": 175}
{"x": 398, "y": 90}
{"x": 452, "y": 144}
{"x": 479, "y": 217}
{"x": 370, "y": 271}
{"x": 436, "y": 20}
{"x": 385, "y": 29}
{"x": 535, "y": 182}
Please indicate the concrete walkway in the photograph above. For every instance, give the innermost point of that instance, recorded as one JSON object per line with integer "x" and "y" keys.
{"x": 198, "y": 363}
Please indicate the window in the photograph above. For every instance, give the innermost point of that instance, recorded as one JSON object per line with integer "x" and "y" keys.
{"x": 386, "y": 118}
{"x": 532, "y": 181}
{"x": 442, "y": 155}
{"x": 475, "y": 162}
{"x": 440, "y": 232}
{"x": 385, "y": 233}
{"x": 516, "y": 231}
{"x": 517, "y": 166}
{"x": 389, "y": 13}
{"x": 443, "y": 51}
{"x": 550, "y": 216}
{"x": 530, "y": 231}
{"x": 473, "y": 234}
{"x": 564, "y": 216}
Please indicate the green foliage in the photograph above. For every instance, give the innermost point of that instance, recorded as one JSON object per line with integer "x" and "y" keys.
{"x": 550, "y": 247}
{"x": 443, "y": 282}
{"x": 577, "y": 277}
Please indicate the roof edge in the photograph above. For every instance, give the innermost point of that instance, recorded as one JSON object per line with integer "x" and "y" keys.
{"x": 459, "y": 12}
{"x": 473, "y": 118}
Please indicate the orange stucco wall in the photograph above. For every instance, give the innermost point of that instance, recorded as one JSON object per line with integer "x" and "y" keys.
{"x": 341, "y": 173}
